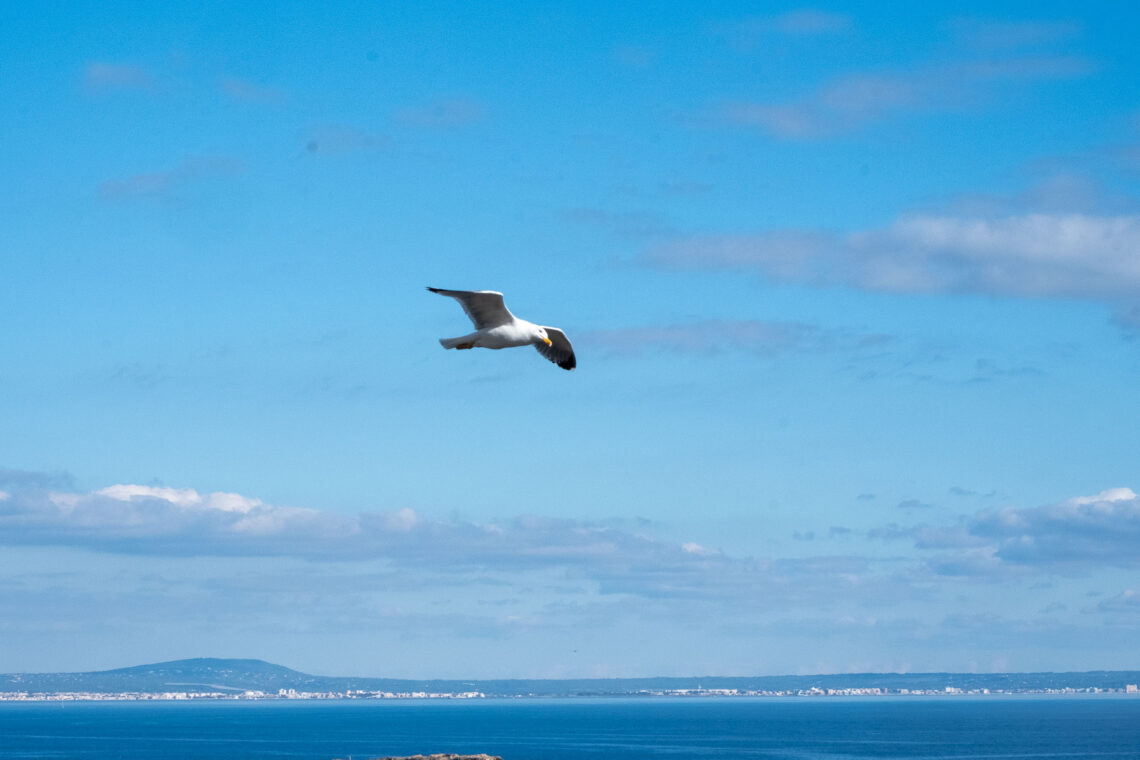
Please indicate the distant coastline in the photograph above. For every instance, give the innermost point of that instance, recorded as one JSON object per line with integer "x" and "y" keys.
{"x": 690, "y": 693}
{"x": 228, "y": 680}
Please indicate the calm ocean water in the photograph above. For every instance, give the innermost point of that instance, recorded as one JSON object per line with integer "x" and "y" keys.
{"x": 803, "y": 729}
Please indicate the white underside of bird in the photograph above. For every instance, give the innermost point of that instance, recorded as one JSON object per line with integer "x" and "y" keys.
{"x": 518, "y": 333}
{"x": 497, "y": 328}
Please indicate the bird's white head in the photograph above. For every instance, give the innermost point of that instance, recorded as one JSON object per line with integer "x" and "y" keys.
{"x": 543, "y": 337}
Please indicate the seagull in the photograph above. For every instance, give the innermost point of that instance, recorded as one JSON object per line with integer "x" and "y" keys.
{"x": 496, "y": 327}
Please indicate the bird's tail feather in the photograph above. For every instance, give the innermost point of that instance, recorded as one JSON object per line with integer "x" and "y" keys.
{"x": 450, "y": 342}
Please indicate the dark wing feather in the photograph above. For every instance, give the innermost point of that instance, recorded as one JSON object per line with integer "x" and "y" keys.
{"x": 559, "y": 351}
{"x": 485, "y": 308}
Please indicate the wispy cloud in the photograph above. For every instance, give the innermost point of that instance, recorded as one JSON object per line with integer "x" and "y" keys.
{"x": 105, "y": 77}
{"x": 851, "y": 101}
{"x": 162, "y": 183}
{"x": 757, "y": 337}
{"x": 751, "y": 32}
{"x": 335, "y": 139}
{"x": 969, "y": 492}
{"x": 1128, "y": 319}
{"x": 139, "y": 376}
{"x": 809, "y": 21}
{"x": 1127, "y": 602}
{"x": 28, "y": 480}
{"x": 448, "y": 113}
{"x": 1062, "y": 192}
{"x": 1035, "y": 254}
{"x": 245, "y": 91}
{"x": 627, "y": 224}
{"x": 995, "y": 34}
{"x": 634, "y": 56}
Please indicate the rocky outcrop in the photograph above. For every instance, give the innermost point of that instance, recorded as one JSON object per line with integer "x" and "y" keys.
{"x": 443, "y": 756}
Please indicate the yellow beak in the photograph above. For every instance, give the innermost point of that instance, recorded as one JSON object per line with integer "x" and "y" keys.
{"x": 547, "y": 342}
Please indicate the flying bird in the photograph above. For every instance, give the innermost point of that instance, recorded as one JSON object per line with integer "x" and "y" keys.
{"x": 496, "y": 327}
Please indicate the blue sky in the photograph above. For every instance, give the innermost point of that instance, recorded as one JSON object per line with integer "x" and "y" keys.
{"x": 855, "y": 292}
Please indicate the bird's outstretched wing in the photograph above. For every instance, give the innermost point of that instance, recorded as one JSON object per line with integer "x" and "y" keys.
{"x": 485, "y": 308}
{"x": 559, "y": 351}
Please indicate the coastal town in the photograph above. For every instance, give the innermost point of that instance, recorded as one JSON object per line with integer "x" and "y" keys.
{"x": 360, "y": 694}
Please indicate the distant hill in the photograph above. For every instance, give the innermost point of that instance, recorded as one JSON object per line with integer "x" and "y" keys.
{"x": 199, "y": 674}
{"x": 209, "y": 674}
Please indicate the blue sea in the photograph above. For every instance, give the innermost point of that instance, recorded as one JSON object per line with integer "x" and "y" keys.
{"x": 561, "y": 729}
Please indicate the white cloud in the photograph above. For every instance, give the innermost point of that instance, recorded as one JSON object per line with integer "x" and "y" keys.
{"x": 1031, "y": 254}
{"x": 1034, "y": 254}
{"x": 1100, "y": 529}
{"x": 1079, "y": 534}
{"x": 401, "y": 521}
{"x": 138, "y": 519}
{"x": 614, "y": 559}
{"x": 1106, "y": 497}
{"x": 182, "y": 497}
{"x": 611, "y": 558}
{"x": 231, "y": 502}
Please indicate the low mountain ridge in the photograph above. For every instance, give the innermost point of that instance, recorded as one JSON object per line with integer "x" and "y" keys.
{"x": 218, "y": 674}
{"x": 198, "y": 674}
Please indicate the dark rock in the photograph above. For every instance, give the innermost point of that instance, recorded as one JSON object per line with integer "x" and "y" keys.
{"x": 444, "y": 756}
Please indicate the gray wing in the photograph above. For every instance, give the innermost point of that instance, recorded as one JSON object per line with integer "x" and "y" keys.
{"x": 485, "y": 308}
{"x": 560, "y": 351}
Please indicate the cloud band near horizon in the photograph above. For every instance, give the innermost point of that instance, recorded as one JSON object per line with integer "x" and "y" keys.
{"x": 1086, "y": 533}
